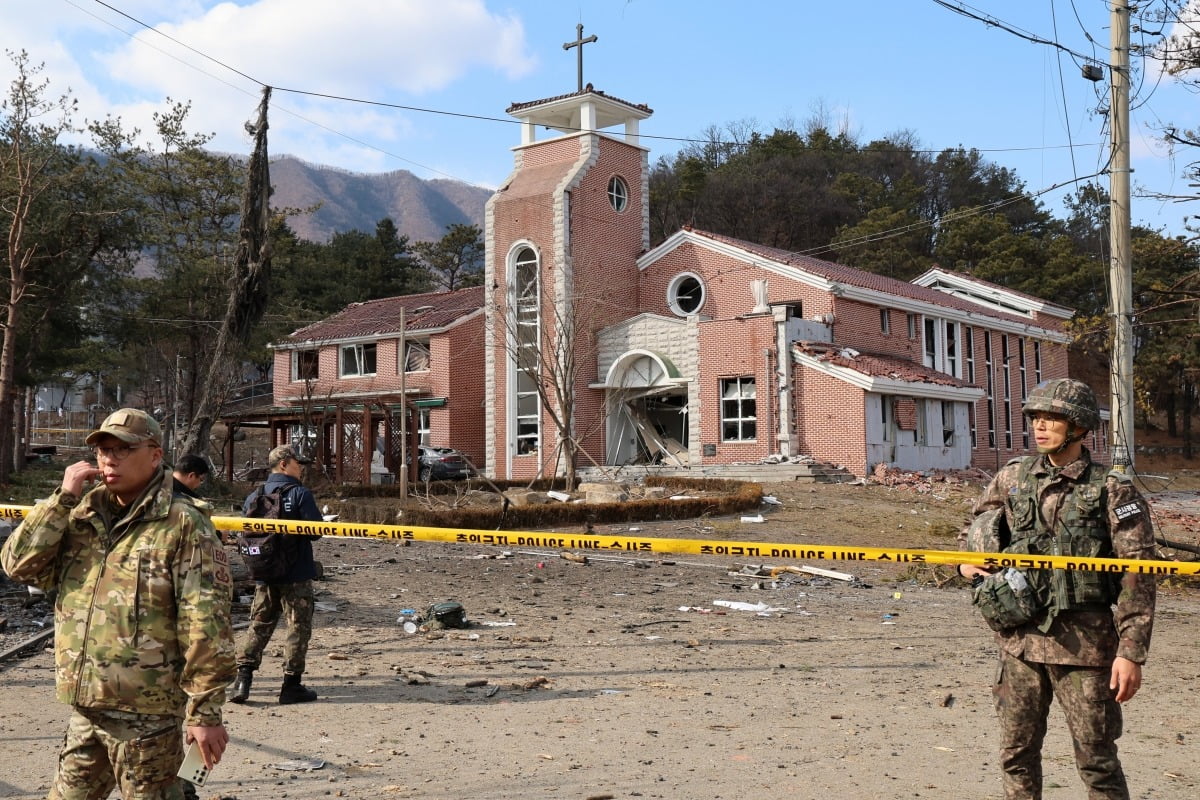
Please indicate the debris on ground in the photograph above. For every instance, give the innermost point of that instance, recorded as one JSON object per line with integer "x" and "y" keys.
{"x": 924, "y": 481}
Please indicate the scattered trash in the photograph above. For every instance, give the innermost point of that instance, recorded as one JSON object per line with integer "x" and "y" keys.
{"x": 561, "y": 497}
{"x": 575, "y": 558}
{"x": 753, "y": 518}
{"x": 300, "y": 764}
{"x": 409, "y": 620}
{"x": 771, "y": 500}
{"x": 824, "y": 573}
{"x": 495, "y": 624}
{"x": 321, "y": 605}
{"x": 758, "y": 608}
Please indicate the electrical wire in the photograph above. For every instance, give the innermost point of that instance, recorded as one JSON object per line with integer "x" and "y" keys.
{"x": 421, "y": 109}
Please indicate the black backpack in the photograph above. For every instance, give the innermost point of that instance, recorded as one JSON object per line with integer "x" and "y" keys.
{"x": 268, "y": 556}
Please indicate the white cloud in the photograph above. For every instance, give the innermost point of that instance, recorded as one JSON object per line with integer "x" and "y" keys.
{"x": 389, "y": 50}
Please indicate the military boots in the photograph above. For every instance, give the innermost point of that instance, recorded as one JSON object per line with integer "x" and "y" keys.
{"x": 239, "y": 690}
{"x": 294, "y": 692}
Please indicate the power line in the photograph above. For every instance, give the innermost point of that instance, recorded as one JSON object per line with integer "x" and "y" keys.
{"x": 988, "y": 19}
{"x": 444, "y": 112}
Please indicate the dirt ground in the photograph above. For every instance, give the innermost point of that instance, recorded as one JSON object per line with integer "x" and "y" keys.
{"x": 622, "y": 678}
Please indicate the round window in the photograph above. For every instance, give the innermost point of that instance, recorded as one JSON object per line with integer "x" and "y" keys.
{"x": 685, "y": 295}
{"x": 618, "y": 193}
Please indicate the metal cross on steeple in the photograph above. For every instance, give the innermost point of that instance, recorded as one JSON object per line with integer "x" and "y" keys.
{"x": 579, "y": 42}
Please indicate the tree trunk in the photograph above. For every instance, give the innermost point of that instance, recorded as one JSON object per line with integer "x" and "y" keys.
{"x": 1189, "y": 401}
{"x": 8, "y": 360}
{"x": 248, "y": 293}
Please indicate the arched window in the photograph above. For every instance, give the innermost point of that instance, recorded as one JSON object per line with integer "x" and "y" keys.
{"x": 685, "y": 295}
{"x": 525, "y": 333}
{"x": 618, "y": 193}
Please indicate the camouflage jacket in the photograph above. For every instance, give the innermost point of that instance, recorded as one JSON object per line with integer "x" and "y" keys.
{"x": 142, "y": 621}
{"x": 1084, "y": 637}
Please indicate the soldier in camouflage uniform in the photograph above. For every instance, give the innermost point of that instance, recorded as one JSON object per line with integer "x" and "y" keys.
{"x": 1088, "y": 646}
{"x": 292, "y": 595}
{"x": 142, "y": 630}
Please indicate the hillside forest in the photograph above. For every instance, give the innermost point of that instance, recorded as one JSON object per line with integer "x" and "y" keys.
{"x": 118, "y": 261}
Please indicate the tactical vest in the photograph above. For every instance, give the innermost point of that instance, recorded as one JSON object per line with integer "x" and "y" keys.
{"x": 1081, "y": 530}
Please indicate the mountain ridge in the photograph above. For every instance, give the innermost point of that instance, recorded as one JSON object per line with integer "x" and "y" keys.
{"x": 348, "y": 201}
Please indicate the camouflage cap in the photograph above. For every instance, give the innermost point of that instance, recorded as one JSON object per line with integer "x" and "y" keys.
{"x": 1074, "y": 399}
{"x": 285, "y": 452}
{"x": 130, "y": 425}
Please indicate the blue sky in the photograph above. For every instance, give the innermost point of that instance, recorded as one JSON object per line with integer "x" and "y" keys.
{"x": 875, "y": 67}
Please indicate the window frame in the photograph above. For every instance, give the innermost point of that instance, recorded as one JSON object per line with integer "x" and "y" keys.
{"x": 525, "y": 320}
{"x": 618, "y": 193}
{"x": 302, "y": 359}
{"x": 674, "y": 291}
{"x": 745, "y": 406}
{"x": 363, "y": 352}
{"x": 414, "y": 347}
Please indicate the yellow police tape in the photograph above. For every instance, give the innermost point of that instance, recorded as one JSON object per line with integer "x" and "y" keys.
{"x": 610, "y": 544}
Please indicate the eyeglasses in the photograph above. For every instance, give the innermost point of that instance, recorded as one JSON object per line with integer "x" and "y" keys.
{"x": 118, "y": 453}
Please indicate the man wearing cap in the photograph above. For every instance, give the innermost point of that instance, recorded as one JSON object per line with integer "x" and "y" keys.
{"x": 293, "y": 594}
{"x": 142, "y": 630}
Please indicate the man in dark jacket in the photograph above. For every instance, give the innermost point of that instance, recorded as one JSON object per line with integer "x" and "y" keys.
{"x": 190, "y": 471}
{"x": 292, "y": 594}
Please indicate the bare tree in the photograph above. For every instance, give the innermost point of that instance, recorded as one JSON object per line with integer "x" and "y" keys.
{"x": 546, "y": 343}
{"x": 52, "y": 210}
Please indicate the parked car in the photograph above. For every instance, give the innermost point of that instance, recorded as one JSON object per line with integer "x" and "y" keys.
{"x": 442, "y": 463}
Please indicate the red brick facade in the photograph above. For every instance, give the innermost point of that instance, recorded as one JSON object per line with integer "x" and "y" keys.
{"x": 707, "y": 350}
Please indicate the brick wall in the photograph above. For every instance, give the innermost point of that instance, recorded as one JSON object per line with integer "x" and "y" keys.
{"x": 739, "y": 346}
{"x": 830, "y": 419}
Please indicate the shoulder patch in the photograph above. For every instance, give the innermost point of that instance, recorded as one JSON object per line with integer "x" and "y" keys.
{"x": 1128, "y": 510}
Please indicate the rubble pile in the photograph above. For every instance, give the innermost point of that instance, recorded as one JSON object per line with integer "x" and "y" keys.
{"x": 924, "y": 481}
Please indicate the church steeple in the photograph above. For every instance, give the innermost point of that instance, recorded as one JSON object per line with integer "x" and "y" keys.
{"x": 585, "y": 110}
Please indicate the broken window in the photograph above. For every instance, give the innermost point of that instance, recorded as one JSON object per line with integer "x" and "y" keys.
{"x": 738, "y": 410}
{"x": 358, "y": 359}
{"x": 416, "y": 356}
{"x": 305, "y": 365}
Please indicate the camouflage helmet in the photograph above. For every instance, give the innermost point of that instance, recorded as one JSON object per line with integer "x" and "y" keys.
{"x": 1073, "y": 399}
{"x": 988, "y": 532}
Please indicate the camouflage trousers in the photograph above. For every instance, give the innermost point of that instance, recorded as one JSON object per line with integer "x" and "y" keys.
{"x": 103, "y": 750}
{"x": 271, "y": 601}
{"x": 1022, "y": 696}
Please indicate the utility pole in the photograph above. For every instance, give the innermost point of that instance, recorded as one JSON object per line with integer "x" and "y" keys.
{"x": 1121, "y": 267}
{"x": 404, "y": 411}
